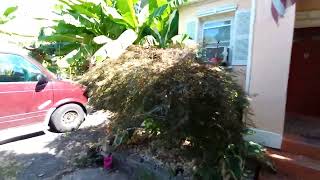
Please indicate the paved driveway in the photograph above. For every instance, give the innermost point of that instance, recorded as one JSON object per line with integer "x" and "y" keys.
{"x": 49, "y": 155}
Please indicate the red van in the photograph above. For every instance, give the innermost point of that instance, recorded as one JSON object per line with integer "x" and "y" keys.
{"x": 31, "y": 96}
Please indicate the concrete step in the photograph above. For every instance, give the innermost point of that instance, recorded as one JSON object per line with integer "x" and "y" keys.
{"x": 267, "y": 175}
{"x": 301, "y": 146}
{"x": 291, "y": 167}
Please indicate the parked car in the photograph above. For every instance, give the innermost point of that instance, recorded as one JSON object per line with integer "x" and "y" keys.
{"x": 30, "y": 95}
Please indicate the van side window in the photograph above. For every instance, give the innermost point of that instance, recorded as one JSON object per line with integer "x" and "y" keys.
{"x": 14, "y": 68}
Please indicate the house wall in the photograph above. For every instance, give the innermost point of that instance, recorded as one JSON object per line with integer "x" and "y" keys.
{"x": 239, "y": 73}
{"x": 271, "y": 55}
{"x": 189, "y": 13}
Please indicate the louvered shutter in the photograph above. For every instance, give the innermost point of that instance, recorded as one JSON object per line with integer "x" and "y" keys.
{"x": 191, "y": 29}
{"x": 241, "y": 38}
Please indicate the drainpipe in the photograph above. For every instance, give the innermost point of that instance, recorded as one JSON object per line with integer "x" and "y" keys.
{"x": 251, "y": 36}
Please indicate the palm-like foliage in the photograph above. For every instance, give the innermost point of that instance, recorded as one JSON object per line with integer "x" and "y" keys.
{"x": 73, "y": 34}
{"x": 7, "y": 15}
{"x": 81, "y": 21}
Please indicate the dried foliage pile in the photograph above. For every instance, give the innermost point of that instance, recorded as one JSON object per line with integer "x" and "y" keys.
{"x": 120, "y": 85}
{"x": 177, "y": 100}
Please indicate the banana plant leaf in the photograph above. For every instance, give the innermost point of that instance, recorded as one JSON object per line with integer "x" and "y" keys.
{"x": 80, "y": 21}
{"x": 154, "y": 4}
{"x": 8, "y": 14}
{"x": 10, "y": 10}
{"x": 126, "y": 9}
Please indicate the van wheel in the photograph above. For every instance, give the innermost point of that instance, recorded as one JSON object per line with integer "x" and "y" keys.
{"x": 67, "y": 118}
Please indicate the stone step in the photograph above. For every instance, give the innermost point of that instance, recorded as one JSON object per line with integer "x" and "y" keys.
{"x": 267, "y": 175}
{"x": 301, "y": 146}
{"x": 291, "y": 167}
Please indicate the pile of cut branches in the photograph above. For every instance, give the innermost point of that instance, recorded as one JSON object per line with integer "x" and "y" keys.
{"x": 169, "y": 97}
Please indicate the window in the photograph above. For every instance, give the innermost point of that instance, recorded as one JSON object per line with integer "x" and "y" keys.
{"x": 14, "y": 68}
{"x": 216, "y": 38}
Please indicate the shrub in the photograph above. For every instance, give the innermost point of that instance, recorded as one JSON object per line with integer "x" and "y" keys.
{"x": 176, "y": 100}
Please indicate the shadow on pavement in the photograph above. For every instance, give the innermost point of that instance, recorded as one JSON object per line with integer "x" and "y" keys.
{"x": 74, "y": 144}
{"x": 18, "y": 138}
{"x": 55, "y": 157}
{"x": 29, "y": 166}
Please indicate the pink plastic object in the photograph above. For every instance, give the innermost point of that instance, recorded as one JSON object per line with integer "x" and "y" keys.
{"x": 107, "y": 162}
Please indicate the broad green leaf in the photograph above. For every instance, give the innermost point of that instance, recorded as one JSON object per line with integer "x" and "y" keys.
{"x": 171, "y": 26}
{"x": 65, "y": 48}
{"x": 111, "y": 11}
{"x": 65, "y": 28}
{"x": 112, "y": 27}
{"x": 177, "y": 3}
{"x": 10, "y": 10}
{"x": 81, "y": 20}
{"x": 155, "y": 20}
{"x": 109, "y": 2}
{"x": 154, "y": 4}
{"x": 126, "y": 9}
{"x": 68, "y": 59}
{"x": 7, "y": 15}
{"x": 159, "y": 12}
{"x": 62, "y": 37}
{"x": 82, "y": 9}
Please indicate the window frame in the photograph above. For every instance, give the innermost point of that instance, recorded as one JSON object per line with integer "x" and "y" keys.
{"x": 203, "y": 28}
{"x": 215, "y": 21}
{"x": 27, "y": 60}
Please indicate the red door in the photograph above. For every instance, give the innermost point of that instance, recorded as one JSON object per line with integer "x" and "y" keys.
{"x": 21, "y": 103}
{"x": 304, "y": 80}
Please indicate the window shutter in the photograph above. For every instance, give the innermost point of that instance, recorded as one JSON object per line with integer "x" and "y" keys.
{"x": 191, "y": 29}
{"x": 241, "y": 38}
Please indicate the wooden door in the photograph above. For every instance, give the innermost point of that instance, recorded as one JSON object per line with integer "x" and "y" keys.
{"x": 303, "y": 97}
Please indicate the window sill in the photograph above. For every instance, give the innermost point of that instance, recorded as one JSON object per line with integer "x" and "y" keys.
{"x": 231, "y": 67}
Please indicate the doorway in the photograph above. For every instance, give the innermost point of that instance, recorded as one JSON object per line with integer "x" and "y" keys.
{"x": 303, "y": 97}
